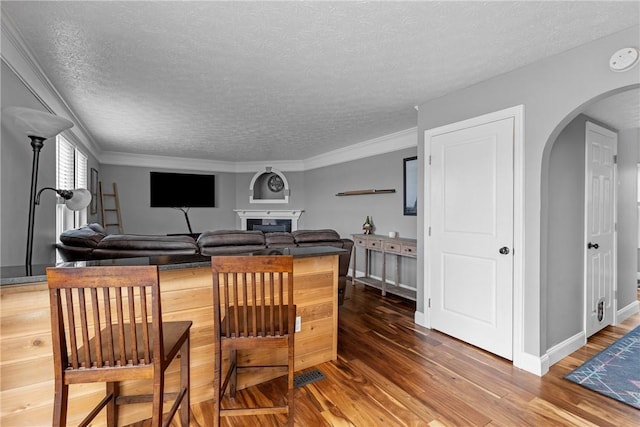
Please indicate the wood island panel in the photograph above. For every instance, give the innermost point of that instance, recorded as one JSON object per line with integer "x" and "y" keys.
{"x": 26, "y": 363}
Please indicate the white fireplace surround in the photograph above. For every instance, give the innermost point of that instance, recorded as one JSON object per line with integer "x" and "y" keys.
{"x": 292, "y": 214}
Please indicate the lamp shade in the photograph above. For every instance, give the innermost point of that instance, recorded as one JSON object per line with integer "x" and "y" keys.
{"x": 80, "y": 199}
{"x": 34, "y": 122}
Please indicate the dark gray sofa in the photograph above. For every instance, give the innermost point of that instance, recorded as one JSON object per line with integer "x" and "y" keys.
{"x": 91, "y": 242}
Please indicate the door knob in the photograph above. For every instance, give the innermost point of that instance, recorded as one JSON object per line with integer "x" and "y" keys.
{"x": 504, "y": 250}
{"x": 592, "y": 245}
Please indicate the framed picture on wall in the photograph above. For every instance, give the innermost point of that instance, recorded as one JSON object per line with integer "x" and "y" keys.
{"x": 410, "y": 179}
{"x": 93, "y": 188}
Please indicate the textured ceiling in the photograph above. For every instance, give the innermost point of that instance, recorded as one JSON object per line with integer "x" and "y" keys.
{"x": 245, "y": 81}
{"x": 620, "y": 111}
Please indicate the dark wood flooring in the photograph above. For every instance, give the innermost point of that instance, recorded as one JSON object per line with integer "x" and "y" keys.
{"x": 391, "y": 372}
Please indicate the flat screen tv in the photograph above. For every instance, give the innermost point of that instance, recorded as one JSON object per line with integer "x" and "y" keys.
{"x": 182, "y": 190}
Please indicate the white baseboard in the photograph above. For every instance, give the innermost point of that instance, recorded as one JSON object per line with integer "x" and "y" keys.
{"x": 626, "y": 312}
{"x": 566, "y": 347}
{"x": 533, "y": 364}
{"x": 420, "y": 318}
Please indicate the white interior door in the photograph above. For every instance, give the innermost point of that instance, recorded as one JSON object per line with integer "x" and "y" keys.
{"x": 471, "y": 234}
{"x": 600, "y": 235}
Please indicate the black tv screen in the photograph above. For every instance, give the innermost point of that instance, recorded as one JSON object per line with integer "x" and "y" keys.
{"x": 182, "y": 190}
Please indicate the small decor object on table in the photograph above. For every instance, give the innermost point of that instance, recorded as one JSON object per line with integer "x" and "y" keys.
{"x": 367, "y": 226}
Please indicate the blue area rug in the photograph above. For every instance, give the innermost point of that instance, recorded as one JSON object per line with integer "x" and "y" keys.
{"x": 615, "y": 371}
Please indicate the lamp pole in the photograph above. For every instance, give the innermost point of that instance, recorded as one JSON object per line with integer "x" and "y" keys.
{"x": 37, "y": 143}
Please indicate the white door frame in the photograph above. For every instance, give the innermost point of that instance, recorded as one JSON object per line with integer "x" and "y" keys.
{"x": 520, "y": 360}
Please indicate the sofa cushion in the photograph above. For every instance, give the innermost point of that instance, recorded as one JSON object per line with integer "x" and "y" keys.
{"x": 231, "y": 238}
{"x": 230, "y": 249}
{"x": 279, "y": 240}
{"x": 98, "y": 228}
{"x": 306, "y": 236}
{"x": 143, "y": 242}
{"x": 83, "y": 237}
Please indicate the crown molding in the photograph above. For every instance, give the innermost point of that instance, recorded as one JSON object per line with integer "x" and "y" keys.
{"x": 17, "y": 56}
{"x": 165, "y": 162}
{"x": 407, "y": 138}
{"x": 14, "y": 53}
{"x": 385, "y": 144}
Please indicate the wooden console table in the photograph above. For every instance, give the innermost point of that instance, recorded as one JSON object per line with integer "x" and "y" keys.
{"x": 399, "y": 247}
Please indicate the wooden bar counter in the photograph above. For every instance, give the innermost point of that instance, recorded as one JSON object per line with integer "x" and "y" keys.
{"x": 26, "y": 364}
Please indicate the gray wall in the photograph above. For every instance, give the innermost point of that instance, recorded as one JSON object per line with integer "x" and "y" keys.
{"x": 346, "y": 214}
{"x": 15, "y": 175}
{"x": 553, "y": 91}
{"x": 628, "y": 141}
{"x": 565, "y": 254}
{"x": 139, "y": 218}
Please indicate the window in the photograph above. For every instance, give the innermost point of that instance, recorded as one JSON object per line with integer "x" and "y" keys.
{"x": 71, "y": 172}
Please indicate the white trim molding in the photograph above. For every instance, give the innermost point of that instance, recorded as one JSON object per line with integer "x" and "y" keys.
{"x": 521, "y": 359}
{"x": 565, "y": 348}
{"x": 292, "y": 214}
{"x": 626, "y": 312}
{"x": 407, "y": 138}
{"x": 269, "y": 170}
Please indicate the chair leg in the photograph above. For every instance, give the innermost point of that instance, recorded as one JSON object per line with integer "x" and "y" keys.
{"x": 233, "y": 382}
{"x": 113, "y": 388}
{"x": 217, "y": 387}
{"x": 185, "y": 406}
{"x": 290, "y": 384}
{"x": 158, "y": 398}
{"x": 60, "y": 400}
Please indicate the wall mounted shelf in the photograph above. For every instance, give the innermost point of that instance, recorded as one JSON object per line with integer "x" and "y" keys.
{"x": 361, "y": 192}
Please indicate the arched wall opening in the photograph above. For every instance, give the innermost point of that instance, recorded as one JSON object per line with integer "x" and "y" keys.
{"x": 562, "y": 226}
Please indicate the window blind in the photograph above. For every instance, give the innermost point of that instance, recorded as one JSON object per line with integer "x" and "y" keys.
{"x": 71, "y": 172}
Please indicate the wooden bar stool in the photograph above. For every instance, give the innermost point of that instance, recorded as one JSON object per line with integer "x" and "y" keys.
{"x": 252, "y": 311}
{"x": 106, "y": 324}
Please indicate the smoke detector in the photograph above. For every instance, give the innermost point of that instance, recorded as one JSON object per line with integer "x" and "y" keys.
{"x": 624, "y": 59}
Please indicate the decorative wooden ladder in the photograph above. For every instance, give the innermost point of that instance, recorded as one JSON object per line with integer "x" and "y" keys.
{"x": 110, "y": 208}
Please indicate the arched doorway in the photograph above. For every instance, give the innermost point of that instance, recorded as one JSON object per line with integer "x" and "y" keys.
{"x": 563, "y": 213}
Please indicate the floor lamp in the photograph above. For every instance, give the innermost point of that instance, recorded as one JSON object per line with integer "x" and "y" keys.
{"x": 38, "y": 126}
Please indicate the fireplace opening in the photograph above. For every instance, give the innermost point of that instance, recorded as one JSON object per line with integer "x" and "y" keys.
{"x": 269, "y": 225}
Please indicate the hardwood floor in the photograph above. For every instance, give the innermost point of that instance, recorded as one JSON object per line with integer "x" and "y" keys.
{"x": 391, "y": 372}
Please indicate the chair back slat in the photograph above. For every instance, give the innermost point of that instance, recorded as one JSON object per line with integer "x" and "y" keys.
{"x": 132, "y": 328}
{"x": 106, "y": 328}
{"x": 98, "y": 361}
{"x": 145, "y": 326}
{"x": 246, "y": 282}
{"x": 120, "y": 327}
{"x": 254, "y": 303}
{"x": 73, "y": 341}
{"x": 250, "y": 295}
{"x": 110, "y": 355}
{"x": 272, "y": 291}
{"x": 262, "y": 304}
{"x": 84, "y": 329}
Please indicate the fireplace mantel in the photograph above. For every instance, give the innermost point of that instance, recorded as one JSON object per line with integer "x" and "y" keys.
{"x": 291, "y": 214}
